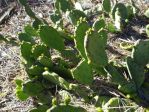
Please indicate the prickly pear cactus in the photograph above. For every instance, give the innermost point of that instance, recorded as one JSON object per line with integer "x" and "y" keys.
{"x": 34, "y": 71}
{"x": 55, "y": 17}
{"x": 98, "y": 24}
{"x": 122, "y": 9}
{"x": 51, "y": 37}
{"x": 26, "y": 51}
{"x": 80, "y": 33}
{"x": 128, "y": 88}
{"x": 40, "y": 108}
{"x": 130, "y": 11}
{"x": 114, "y": 103}
{"x": 36, "y": 24}
{"x": 30, "y": 30}
{"x": 95, "y": 44}
{"x": 28, "y": 9}
{"x": 147, "y": 30}
{"x": 136, "y": 72}
{"x": 106, "y": 4}
{"x": 32, "y": 88}
{"x": 69, "y": 54}
{"x": 145, "y": 90}
{"x": 118, "y": 20}
{"x": 114, "y": 74}
{"x": 75, "y": 15}
{"x": 25, "y": 37}
{"x": 140, "y": 53}
{"x": 45, "y": 97}
{"x": 63, "y": 5}
{"x": 54, "y": 78}
{"x": 45, "y": 61}
{"x": 37, "y": 50}
{"x": 30, "y": 12}
{"x": 66, "y": 108}
{"x": 19, "y": 90}
{"x": 139, "y": 60}
{"x": 83, "y": 70}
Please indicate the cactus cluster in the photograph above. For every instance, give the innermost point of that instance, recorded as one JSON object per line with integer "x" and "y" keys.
{"x": 51, "y": 65}
{"x": 120, "y": 12}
